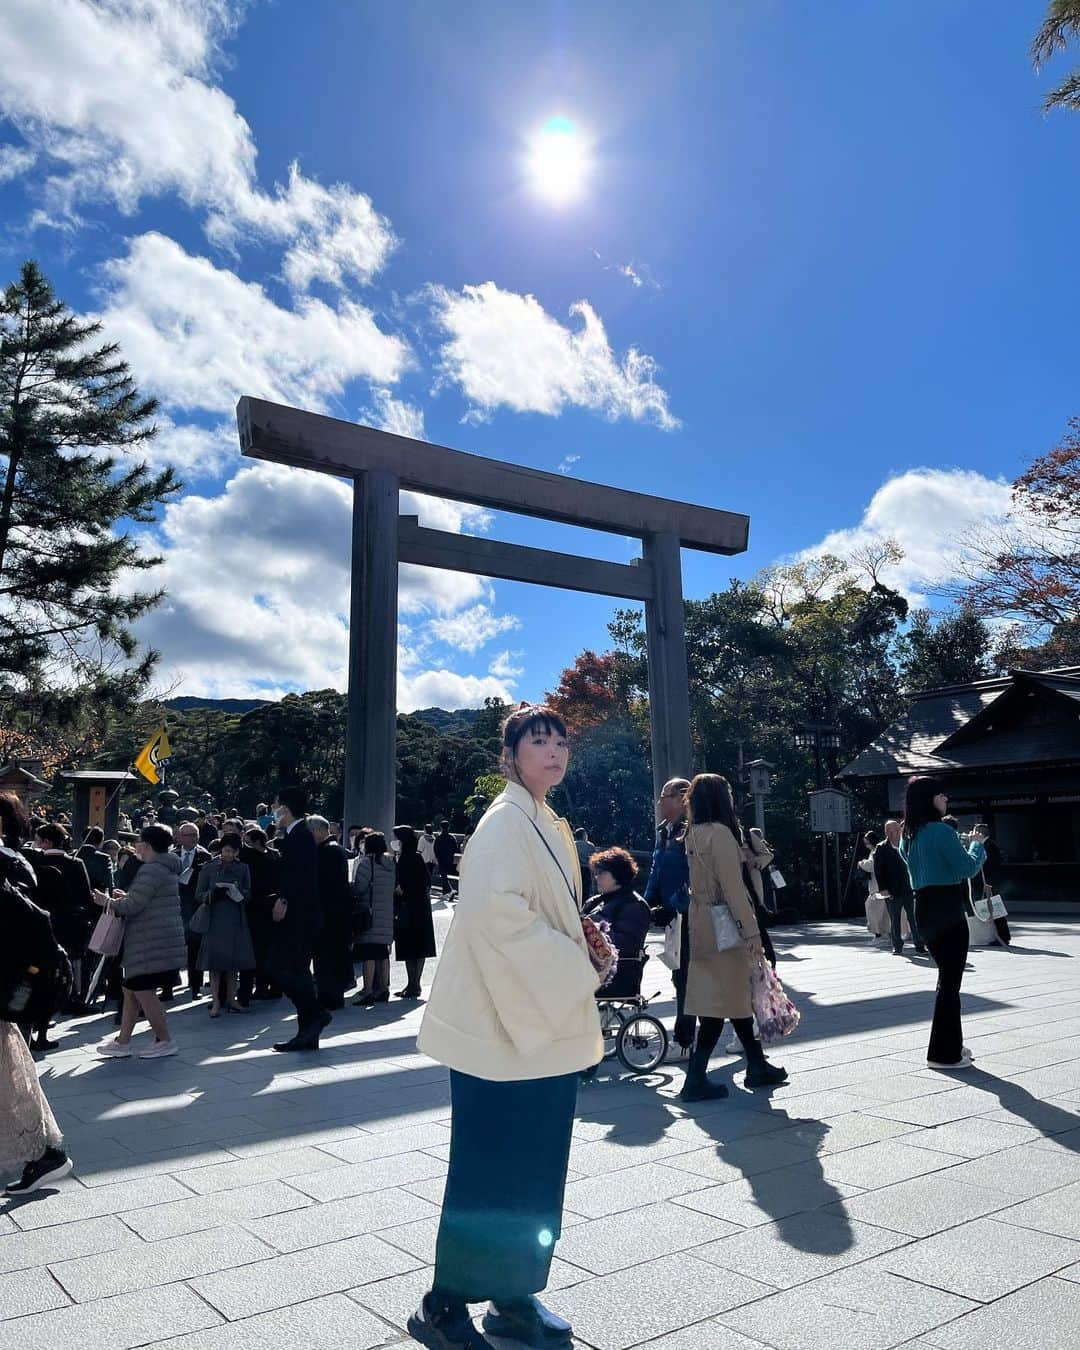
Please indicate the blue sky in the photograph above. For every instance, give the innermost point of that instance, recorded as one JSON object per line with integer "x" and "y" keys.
{"x": 827, "y": 255}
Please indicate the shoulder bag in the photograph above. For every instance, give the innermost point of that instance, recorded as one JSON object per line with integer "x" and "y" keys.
{"x": 725, "y": 930}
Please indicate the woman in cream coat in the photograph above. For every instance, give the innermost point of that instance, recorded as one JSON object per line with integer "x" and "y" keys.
{"x": 718, "y": 982}
{"x": 512, "y": 1013}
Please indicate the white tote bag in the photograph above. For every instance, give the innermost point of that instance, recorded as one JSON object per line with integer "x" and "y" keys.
{"x": 981, "y": 932}
{"x": 672, "y": 953}
{"x": 777, "y": 878}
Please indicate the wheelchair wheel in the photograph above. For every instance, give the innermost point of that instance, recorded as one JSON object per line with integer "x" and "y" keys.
{"x": 643, "y": 1043}
{"x": 612, "y": 1018}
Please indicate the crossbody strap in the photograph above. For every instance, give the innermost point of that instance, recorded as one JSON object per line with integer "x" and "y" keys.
{"x": 540, "y": 835}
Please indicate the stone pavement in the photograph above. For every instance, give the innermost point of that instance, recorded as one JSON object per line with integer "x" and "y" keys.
{"x": 233, "y": 1199}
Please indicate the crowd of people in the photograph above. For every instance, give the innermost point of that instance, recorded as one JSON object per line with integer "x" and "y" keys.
{"x": 280, "y": 906}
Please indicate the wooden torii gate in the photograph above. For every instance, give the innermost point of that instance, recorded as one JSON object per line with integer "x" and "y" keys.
{"x": 380, "y": 464}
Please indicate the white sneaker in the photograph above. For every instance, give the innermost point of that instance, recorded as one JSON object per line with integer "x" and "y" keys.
{"x": 159, "y": 1050}
{"x": 962, "y": 1063}
{"x": 114, "y": 1050}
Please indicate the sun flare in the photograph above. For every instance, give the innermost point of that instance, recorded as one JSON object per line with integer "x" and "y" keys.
{"x": 559, "y": 161}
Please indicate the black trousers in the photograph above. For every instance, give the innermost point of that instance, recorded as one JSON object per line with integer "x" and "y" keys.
{"x": 290, "y": 969}
{"x": 942, "y": 920}
{"x": 444, "y": 874}
{"x": 333, "y": 960}
{"x": 898, "y": 905}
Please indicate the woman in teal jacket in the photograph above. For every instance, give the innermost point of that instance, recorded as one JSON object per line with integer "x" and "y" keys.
{"x": 939, "y": 865}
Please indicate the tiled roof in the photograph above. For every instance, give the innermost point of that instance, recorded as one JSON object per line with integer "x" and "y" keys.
{"x": 915, "y": 743}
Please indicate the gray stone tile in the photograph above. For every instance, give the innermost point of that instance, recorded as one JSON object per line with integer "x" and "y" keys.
{"x": 924, "y": 1205}
{"x": 74, "y": 1202}
{"x": 982, "y": 1260}
{"x": 29, "y": 1291}
{"x": 1055, "y": 1212}
{"x": 152, "y": 1163}
{"x": 615, "y": 1311}
{"x": 769, "y": 1195}
{"x": 1043, "y": 1315}
{"x": 377, "y": 1174}
{"x": 903, "y": 1087}
{"x": 111, "y": 1323}
{"x": 360, "y": 1148}
{"x": 628, "y": 1150}
{"x": 339, "y": 1219}
{"x": 627, "y": 1189}
{"x": 209, "y": 1211}
{"x": 883, "y": 1164}
{"x": 395, "y": 1298}
{"x": 330, "y": 1269}
{"x": 741, "y": 1158}
{"x": 854, "y": 1307}
{"x": 974, "y": 1137}
{"x": 417, "y": 1238}
{"x": 300, "y": 1162}
{"x": 799, "y": 1248}
{"x": 332, "y": 1320}
{"x": 1020, "y": 1173}
{"x": 705, "y": 1336}
{"x": 21, "y": 1251}
{"x": 612, "y": 1243}
{"x": 146, "y": 1264}
{"x": 834, "y": 1134}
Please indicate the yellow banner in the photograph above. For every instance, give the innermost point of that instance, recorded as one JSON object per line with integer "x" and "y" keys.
{"x": 154, "y": 752}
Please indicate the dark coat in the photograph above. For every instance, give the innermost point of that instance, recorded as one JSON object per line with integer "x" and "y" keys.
{"x": 64, "y": 892}
{"x": 298, "y": 885}
{"x": 628, "y": 918}
{"x": 188, "y": 889}
{"x": 333, "y": 870}
{"x": 891, "y": 871}
{"x": 667, "y": 891}
{"x": 446, "y": 849}
{"x": 98, "y": 866}
{"x": 28, "y": 941}
{"x": 414, "y": 928}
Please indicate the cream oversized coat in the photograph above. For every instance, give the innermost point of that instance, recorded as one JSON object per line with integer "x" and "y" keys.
{"x": 717, "y": 983}
{"x": 514, "y": 993}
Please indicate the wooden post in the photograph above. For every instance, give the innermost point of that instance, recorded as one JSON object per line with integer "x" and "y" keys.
{"x": 370, "y": 759}
{"x": 669, "y": 692}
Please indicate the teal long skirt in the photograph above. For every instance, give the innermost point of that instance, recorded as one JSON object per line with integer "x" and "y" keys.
{"x": 502, "y": 1210}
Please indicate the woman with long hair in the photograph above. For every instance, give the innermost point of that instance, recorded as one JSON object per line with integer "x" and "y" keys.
{"x": 512, "y": 1013}
{"x": 939, "y": 865}
{"x": 718, "y": 982}
{"x": 374, "y": 882}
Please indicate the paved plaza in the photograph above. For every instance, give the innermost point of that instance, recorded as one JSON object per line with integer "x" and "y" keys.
{"x": 235, "y": 1199}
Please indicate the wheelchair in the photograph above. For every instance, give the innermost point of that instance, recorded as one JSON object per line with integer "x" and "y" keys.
{"x": 630, "y": 1031}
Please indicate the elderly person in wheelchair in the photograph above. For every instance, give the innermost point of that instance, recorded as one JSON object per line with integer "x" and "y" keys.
{"x": 627, "y": 915}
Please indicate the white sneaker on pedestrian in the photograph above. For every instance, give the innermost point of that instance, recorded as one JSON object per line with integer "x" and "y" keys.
{"x": 114, "y": 1050}
{"x": 962, "y": 1063}
{"x": 733, "y": 1046}
{"x": 159, "y": 1050}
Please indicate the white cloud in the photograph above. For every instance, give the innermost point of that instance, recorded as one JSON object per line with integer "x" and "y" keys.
{"x": 200, "y": 337}
{"x": 472, "y": 628}
{"x": 197, "y": 452}
{"x": 503, "y": 349}
{"x": 927, "y": 512}
{"x": 503, "y": 667}
{"x": 257, "y": 582}
{"x": 14, "y": 160}
{"x": 393, "y": 414}
{"x": 566, "y": 464}
{"x": 119, "y": 97}
{"x": 446, "y": 689}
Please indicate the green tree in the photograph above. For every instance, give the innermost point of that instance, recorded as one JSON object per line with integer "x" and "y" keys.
{"x": 1060, "y": 27}
{"x": 950, "y": 649}
{"x": 69, "y": 410}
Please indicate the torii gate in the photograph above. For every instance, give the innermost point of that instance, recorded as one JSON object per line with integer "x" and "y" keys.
{"x": 380, "y": 464}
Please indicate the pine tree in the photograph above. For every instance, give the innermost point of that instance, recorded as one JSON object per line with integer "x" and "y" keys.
{"x": 70, "y": 415}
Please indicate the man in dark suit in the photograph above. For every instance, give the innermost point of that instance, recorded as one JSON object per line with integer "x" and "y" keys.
{"x": 98, "y": 864}
{"x": 193, "y": 858}
{"x": 333, "y": 956}
{"x": 262, "y": 862}
{"x": 297, "y": 919}
{"x": 895, "y": 884}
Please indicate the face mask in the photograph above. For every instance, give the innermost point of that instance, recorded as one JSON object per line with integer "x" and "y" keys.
{"x": 395, "y": 846}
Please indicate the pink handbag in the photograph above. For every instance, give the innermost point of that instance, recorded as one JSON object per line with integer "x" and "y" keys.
{"x": 108, "y": 935}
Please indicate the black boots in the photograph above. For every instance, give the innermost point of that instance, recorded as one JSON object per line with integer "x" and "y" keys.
{"x": 759, "y": 1072}
{"x": 697, "y": 1087}
{"x": 308, "y": 1037}
{"x": 528, "y": 1322}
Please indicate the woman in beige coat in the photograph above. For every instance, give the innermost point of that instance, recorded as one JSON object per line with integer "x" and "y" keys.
{"x": 718, "y": 982}
{"x": 512, "y": 1013}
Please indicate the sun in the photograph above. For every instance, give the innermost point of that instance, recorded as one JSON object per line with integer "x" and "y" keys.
{"x": 559, "y": 161}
